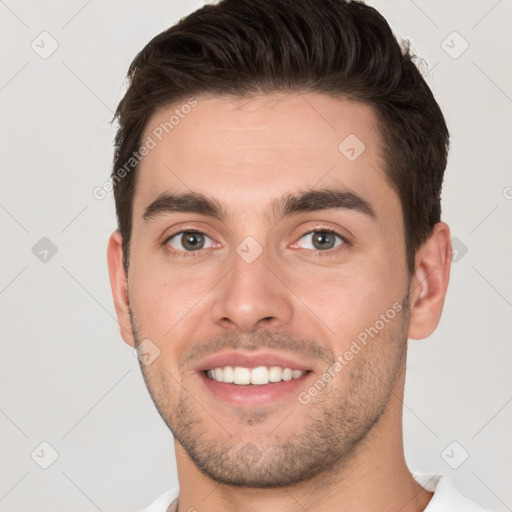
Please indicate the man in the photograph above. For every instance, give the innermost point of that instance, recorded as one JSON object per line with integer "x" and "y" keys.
{"x": 277, "y": 177}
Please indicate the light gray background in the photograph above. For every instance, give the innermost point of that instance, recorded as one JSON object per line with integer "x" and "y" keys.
{"x": 68, "y": 379}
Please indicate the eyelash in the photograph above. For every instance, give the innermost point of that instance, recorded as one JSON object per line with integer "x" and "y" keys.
{"x": 194, "y": 254}
{"x": 183, "y": 254}
{"x": 327, "y": 252}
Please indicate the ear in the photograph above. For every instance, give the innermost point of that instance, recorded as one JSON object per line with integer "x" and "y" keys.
{"x": 430, "y": 281}
{"x": 119, "y": 284}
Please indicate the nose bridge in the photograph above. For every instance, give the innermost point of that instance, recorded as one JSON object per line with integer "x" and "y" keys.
{"x": 251, "y": 294}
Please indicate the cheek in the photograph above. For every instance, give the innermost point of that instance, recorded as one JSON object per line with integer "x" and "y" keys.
{"x": 169, "y": 304}
{"x": 351, "y": 298}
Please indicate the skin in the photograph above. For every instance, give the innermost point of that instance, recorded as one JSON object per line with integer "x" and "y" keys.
{"x": 342, "y": 450}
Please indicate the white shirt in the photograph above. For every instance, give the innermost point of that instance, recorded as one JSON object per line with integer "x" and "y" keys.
{"x": 446, "y": 497}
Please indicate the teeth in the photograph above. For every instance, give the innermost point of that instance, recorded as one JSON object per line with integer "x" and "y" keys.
{"x": 228, "y": 374}
{"x": 296, "y": 374}
{"x": 257, "y": 376}
{"x": 275, "y": 374}
{"x": 242, "y": 375}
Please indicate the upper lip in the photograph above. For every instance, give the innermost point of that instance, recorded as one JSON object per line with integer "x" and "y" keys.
{"x": 250, "y": 360}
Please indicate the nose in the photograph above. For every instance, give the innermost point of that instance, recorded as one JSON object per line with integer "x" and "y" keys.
{"x": 252, "y": 296}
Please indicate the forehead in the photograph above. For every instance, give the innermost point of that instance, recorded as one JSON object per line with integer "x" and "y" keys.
{"x": 249, "y": 151}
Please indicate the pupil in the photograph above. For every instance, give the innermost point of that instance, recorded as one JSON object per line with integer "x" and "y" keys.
{"x": 193, "y": 241}
{"x": 323, "y": 240}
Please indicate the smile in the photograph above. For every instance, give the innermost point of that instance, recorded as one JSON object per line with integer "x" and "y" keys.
{"x": 258, "y": 376}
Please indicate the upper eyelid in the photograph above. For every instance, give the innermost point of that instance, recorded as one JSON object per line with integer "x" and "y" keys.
{"x": 192, "y": 230}
{"x": 203, "y": 232}
{"x": 308, "y": 232}
{"x": 166, "y": 237}
{"x": 334, "y": 231}
{"x": 182, "y": 231}
{"x": 166, "y": 244}
{"x": 343, "y": 238}
{"x": 322, "y": 230}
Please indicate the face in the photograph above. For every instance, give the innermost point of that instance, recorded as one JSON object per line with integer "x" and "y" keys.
{"x": 268, "y": 281}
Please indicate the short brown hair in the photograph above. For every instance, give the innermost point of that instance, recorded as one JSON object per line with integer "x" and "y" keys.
{"x": 335, "y": 47}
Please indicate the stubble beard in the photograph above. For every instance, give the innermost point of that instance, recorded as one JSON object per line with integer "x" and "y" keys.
{"x": 336, "y": 426}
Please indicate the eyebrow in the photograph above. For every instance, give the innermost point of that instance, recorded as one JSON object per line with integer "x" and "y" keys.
{"x": 324, "y": 199}
{"x": 192, "y": 202}
{"x": 286, "y": 206}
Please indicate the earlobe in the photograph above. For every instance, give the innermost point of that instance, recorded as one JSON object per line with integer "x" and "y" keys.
{"x": 430, "y": 282}
{"x": 119, "y": 284}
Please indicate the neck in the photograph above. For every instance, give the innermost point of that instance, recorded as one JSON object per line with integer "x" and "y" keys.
{"x": 374, "y": 478}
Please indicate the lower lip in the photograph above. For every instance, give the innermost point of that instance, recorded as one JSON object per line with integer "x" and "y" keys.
{"x": 251, "y": 395}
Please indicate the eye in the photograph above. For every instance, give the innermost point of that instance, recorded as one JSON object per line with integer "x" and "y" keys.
{"x": 189, "y": 241}
{"x": 320, "y": 240}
